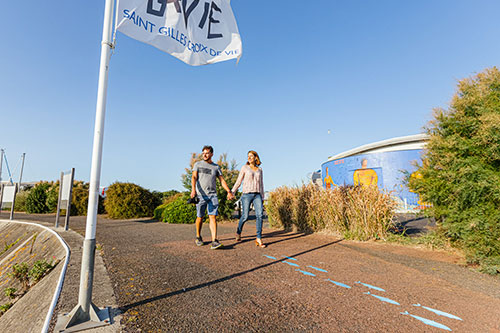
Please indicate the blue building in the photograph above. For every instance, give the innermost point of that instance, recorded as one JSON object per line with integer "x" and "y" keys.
{"x": 383, "y": 164}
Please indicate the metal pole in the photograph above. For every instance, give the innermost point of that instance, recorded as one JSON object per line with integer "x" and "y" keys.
{"x": 21, "y": 175}
{"x": 13, "y": 203}
{"x": 59, "y": 200}
{"x": 1, "y": 163}
{"x": 86, "y": 278}
{"x": 70, "y": 197}
{"x": 85, "y": 311}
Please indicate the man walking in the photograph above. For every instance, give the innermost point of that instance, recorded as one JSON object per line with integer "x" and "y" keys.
{"x": 203, "y": 185}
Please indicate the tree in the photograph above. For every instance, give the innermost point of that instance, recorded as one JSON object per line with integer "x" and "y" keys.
{"x": 460, "y": 170}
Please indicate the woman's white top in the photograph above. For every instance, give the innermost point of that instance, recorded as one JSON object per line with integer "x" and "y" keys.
{"x": 252, "y": 181}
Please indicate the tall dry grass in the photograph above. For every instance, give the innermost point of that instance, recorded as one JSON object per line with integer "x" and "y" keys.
{"x": 354, "y": 212}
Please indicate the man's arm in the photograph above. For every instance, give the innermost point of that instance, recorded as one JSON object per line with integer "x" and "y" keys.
{"x": 194, "y": 178}
{"x": 230, "y": 195}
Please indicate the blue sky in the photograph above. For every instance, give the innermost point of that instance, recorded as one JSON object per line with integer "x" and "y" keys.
{"x": 365, "y": 70}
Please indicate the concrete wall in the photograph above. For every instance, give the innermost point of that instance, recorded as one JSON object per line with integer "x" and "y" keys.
{"x": 28, "y": 243}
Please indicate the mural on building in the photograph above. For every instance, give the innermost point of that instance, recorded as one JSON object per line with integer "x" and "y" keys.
{"x": 365, "y": 176}
{"x": 386, "y": 170}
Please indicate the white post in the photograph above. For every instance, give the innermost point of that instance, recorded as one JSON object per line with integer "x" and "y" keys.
{"x": 85, "y": 311}
{"x": 21, "y": 174}
{"x": 95, "y": 171}
{"x": 1, "y": 163}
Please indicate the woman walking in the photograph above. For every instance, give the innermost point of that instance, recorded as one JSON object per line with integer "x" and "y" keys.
{"x": 253, "y": 192}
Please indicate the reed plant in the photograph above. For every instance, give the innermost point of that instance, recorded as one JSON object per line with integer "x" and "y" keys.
{"x": 353, "y": 212}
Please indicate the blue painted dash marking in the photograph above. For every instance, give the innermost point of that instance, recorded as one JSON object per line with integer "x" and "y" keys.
{"x": 305, "y": 273}
{"x": 439, "y": 313}
{"x": 269, "y": 257}
{"x": 370, "y": 286}
{"x": 318, "y": 269}
{"x": 383, "y": 299}
{"x": 290, "y": 258}
{"x": 291, "y": 263}
{"x": 339, "y": 284}
{"x": 427, "y": 321}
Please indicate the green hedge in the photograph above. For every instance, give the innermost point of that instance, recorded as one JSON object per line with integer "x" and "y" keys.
{"x": 128, "y": 200}
{"x": 20, "y": 204}
{"x": 36, "y": 200}
{"x": 176, "y": 210}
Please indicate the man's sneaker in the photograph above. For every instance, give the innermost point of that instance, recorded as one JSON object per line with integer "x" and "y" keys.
{"x": 215, "y": 245}
{"x": 198, "y": 241}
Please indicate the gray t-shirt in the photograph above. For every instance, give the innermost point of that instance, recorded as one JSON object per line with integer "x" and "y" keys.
{"x": 207, "y": 174}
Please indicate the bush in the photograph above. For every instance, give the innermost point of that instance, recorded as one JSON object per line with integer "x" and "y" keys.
{"x": 127, "y": 200}
{"x": 36, "y": 200}
{"x": 460, "y": 171}
{"x": 177, "y": 210}
{"x": 20, "y": 273}
{"x": 20, "y": 204}
{"x": 80, "y": 201}
{"x": 39, "y": 270}
{"x": 52, "y": 197}
{"x": 10, "y": 292}
{"x": 4, "y": 308}
{"x": 168, "y": 194}
{"x": 230, "y": 175}
{"x": 355, "y": 212}
{"x": 159, "y": 210}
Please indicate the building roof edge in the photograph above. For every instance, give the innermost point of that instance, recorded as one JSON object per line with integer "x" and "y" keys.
{"x": 380, "y": 144}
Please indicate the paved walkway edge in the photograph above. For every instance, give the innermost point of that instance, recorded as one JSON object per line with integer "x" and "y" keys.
{"x": 57, "y": 293}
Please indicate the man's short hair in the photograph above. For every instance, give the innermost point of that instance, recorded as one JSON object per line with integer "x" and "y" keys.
{"x": 208, "y": 148}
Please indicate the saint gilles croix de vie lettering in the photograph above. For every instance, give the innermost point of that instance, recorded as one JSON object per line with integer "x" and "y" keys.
{"x": 187, "y": 12}
{"x": 182, "y": 9}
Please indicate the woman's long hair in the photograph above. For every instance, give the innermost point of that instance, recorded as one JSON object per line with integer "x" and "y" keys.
{"x": 257, "y": 158}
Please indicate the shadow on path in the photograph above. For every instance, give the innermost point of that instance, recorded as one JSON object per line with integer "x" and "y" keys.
{"x": 223, "y": 279}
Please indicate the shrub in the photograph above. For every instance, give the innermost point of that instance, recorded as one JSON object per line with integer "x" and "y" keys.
{"x": 4, "y": 308}
{"x": 36, "y": 201}
{"x": 355, "y": 212}
{"x": 80, "y": 201}
{"x": 39, "y": 270}
{"x": 461, "y": 169}
{"x": 20, "y": 204}
{"x": 10, "y": 292}
{"x": 178, "y": 210}
{"x": 52, "y": 197}
{"x": 158, "y": 212}
{"x": 230, "y": 175}
{"x": 127, "y": 200}
{"x": 20, "y": 272}
{"x": 168, "y": 194}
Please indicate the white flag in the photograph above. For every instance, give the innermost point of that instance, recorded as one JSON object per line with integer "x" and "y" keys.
{"x": 197, "y": 32}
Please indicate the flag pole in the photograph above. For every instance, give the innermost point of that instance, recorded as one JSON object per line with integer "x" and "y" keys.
{"x": 86, "y": 315}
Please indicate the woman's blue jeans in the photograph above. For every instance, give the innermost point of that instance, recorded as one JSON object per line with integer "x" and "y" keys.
{"x": 246, "y": 200}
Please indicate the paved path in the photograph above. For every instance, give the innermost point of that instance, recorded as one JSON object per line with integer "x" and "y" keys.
{"x": 163, "y": 282}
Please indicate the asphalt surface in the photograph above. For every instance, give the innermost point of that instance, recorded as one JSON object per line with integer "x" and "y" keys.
{"x": 163, "y": 282}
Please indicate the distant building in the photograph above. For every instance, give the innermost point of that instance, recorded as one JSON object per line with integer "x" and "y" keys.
{"x": 315, "y": 178}
{"x": 383, "y": 164}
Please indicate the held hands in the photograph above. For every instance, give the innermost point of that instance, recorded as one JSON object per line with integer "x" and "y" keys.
{"x": 230, "y": 196}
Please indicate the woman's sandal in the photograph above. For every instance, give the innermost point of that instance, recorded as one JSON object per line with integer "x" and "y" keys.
{"x": 238, "y": 237}
{"x": 259, "y": 243}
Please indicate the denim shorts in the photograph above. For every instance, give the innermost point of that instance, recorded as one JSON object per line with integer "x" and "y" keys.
{"x": 210, "y": 203}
